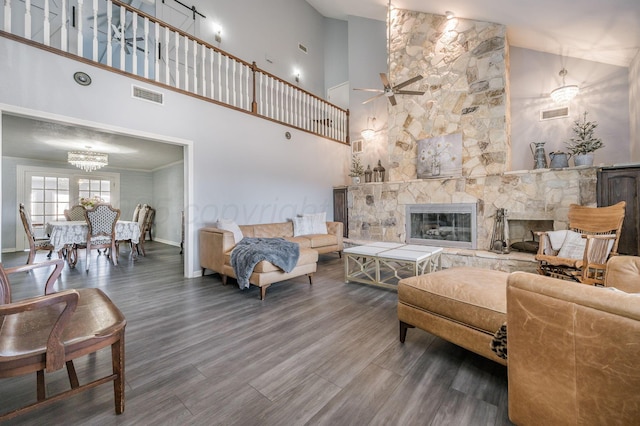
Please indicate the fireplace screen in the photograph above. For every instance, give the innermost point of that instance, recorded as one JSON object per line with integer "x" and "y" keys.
{"x": 442, "y": 225}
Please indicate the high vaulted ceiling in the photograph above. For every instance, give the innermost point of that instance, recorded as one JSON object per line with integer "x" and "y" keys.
{"x": 605, "y": 31}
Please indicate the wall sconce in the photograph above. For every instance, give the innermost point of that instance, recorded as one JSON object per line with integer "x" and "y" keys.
{"x": 217, "y": 29}
{"x": 296, "y": 75}
{"x": 369, "y": 132}
{"x": 449, "y": 14}
{"x": 564, "y": 93}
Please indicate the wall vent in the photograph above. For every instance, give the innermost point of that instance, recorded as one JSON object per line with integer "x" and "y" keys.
{"x": 302, "y": 47}
{"x": 552, "y": 114}
{"x": 356, "y": 146}
{"x": 147, "y": 95}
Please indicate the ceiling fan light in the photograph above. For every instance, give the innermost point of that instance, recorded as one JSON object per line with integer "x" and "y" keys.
{"x": 449, "y": 14}
{"x": 87, "y": 160}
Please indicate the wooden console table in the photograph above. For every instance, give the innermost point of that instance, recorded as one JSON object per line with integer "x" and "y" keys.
{"x": 384, "y": 264}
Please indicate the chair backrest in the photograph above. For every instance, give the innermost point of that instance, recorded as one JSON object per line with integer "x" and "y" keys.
{"x": 75, "y": 213}
{"x": 598, "y": 220}
{"x": 151, "y": 213}
{"x": 26, "y": 222}
{"x": 142, "y": 217}
{"x": 102, "y": 220}
{"x": 136, "y": 212}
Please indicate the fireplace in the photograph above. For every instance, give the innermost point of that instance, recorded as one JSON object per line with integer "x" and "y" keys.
{"x": 442, "y": 225}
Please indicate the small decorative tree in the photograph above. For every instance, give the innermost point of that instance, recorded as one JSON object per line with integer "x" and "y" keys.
{"x": 584, "y": 141}
{"x": 357, "y": 169}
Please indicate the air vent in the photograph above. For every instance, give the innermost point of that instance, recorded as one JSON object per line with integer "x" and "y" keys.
{"x": 302, "y": 47}
{"x": 147, "y": 95}
{"x": 356, "y": 146}
{"x": 552, "y": 114}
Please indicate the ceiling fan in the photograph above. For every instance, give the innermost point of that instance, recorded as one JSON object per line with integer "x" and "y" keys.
{"x": 388, "y": 89}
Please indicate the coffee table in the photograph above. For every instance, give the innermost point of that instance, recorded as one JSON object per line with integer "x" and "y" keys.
{"x": 384, "y": 264}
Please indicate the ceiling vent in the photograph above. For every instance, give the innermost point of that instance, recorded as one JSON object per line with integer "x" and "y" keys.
{"x": 552, "y": 114}
{"x": 302, "y": 47}
{"x": 147, "y": 95}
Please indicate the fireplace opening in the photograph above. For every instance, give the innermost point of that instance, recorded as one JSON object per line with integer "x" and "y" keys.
{"x": 522, "y": 233}
{"x": 442, "y": 225}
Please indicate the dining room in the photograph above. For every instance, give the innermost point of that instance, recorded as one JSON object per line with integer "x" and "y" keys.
{"x": 37, "y": 171}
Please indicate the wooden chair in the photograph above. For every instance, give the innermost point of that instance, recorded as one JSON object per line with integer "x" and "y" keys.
{"x": 136, "y": 212}
{"x": 75, "y": 213}
{"x": 143, "y": 220}
{"x": 45, "y": 333}
{"x": 102, "y": 220}
{"x": 35, "y": 244}
{"x": 148, "y": 222}
{"x": 600, "y": 229}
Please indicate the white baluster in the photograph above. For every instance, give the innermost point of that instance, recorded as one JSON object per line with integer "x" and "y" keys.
{"x": 195, "y": 67}
{"x": 109, "y": 33}
{"x": 7, "y": 15}
{"x": 158, "y": 51}
{"x": 212, "y": 54}
{"x": 233, "y": 83}
{"x": 226, "y": 75}
{"x": 95, "y": 31}
{"x": 146, "y": 47}
{"x": 219, "y": 56}
{"x": 186, "y": 63}
{"x": 177, "y": 55}
{"x": 203, "y": 70}
{"x": 27, "y": 19}
{"x": 63, "y": 25}
{"x": 79, "y": 29}
{"x": 123, "y": 21}
{"x": 46, "y": 29}
{"x": 167, "y": 73}
{"x": 134, "y": 46}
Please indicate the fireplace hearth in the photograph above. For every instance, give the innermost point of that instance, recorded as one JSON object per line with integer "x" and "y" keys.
{"x": 442, "y": 225}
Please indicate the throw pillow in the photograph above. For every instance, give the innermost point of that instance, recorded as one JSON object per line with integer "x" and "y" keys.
{"x": 573, "y": 246}
{"x": 302, "y": 226}
{"x": 231, "y": 226}
{"x": 318, "y": 222}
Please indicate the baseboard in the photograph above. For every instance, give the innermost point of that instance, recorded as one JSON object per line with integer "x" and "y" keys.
{"x": 171, "y": 243}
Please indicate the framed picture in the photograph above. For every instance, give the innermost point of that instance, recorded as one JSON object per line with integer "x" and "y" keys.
{"x": 440, "y": 156}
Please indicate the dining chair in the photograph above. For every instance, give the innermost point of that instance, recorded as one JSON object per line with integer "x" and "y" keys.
{"x": 75, "y": 213}
{"x": 35, "y": 243}
{"x": 142, "y": 221}
{"x": 102, "y": 220}
{"x": 148, "y": 222}
{"x": 136, "y": 212}
{"x": 43, "y": 334}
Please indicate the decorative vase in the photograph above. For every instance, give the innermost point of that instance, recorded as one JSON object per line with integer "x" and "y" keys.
{"x": 355, "y": 180}
{"x": 583, "y": 159}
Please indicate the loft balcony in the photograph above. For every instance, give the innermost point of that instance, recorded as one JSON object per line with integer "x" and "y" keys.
{"x": 115, "y": 36}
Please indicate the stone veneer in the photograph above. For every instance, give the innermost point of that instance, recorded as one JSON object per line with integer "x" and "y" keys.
{"x": 465, "y": 68}
{"x": 377, "y": 210}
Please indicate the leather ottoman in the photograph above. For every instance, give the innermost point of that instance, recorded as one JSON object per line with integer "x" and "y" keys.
{"x": 464, "y": 305}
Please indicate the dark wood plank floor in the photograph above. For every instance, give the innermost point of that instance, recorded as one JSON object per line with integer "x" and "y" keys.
{"x": 201, "y": 353}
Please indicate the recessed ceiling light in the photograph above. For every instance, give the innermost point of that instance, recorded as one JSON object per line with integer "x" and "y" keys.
{"x": 449, "y": 14}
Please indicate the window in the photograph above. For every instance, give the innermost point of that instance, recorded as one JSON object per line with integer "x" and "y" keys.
{"x": 49, "y": 198}
{"x": 101, "y": 188}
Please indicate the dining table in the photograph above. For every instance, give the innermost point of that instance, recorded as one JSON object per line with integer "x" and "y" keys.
{"x": 64, "y": 234}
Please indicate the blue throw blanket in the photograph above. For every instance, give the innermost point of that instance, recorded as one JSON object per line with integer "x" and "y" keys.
{"x": 249, "y": 251}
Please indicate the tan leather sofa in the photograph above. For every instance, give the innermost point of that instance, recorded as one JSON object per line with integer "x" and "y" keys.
{"x": 573, "y": 349}
{"x": 216, "y": 246}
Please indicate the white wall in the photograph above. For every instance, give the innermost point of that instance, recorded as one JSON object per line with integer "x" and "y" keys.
{"x": 244, "y": 168}
{"x": 604, "y": 94}
{"x": 255, "y": 29}
{"x": 168, "y": 184}
{"x": 336, "y": 52}
{"x": 634, "y": 107}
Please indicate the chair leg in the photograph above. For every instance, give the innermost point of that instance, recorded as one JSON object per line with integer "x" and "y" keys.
{"x": 40, "y": 388}
{"x": 88, "y": 257}
{"x": 32, "y": 255}
{"x": 310, "y": 280}
{"x": 117, "y": 358}
{"x": 73, "y": 377}
{"x": 263, "y": 292}
{"x": 403, "y": 330}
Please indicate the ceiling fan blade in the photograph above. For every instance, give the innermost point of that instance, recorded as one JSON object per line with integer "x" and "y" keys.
{"x": 385, "y": 81}
{"x": 373, "y": 98}
{"x": 408, "y": 82}
{"x": 369, "y": 90}
{"x": 392, "y": 99}
{"x": 408, "y": 92}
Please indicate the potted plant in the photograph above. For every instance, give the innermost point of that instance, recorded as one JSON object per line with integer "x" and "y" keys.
{"x": 584, "y": 143}
{"x": 357, "y": 169}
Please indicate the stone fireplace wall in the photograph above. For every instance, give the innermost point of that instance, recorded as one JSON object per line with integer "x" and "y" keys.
{"x": 465, "y": 68}
{"x": 377, "y": 210}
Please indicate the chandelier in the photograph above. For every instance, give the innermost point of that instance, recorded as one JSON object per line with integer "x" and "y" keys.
{"x": 564, "y": 93}
{"x": 88, "y": 160}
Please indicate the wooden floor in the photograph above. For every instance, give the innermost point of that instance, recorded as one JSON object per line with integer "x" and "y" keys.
{"x": 201, "y": 353}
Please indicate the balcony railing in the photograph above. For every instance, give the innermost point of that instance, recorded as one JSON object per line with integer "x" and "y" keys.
{"x": 114, "y": 35}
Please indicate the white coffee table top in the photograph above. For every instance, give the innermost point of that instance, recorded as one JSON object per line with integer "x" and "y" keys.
{"x": 398, "y": 251}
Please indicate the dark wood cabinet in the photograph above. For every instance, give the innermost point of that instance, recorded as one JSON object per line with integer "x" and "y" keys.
{"x": 617, "y": 184}
{"x": 340, "y": 209}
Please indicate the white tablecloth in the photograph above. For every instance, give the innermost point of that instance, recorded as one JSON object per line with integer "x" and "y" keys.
{"x": 70, "y": 232}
